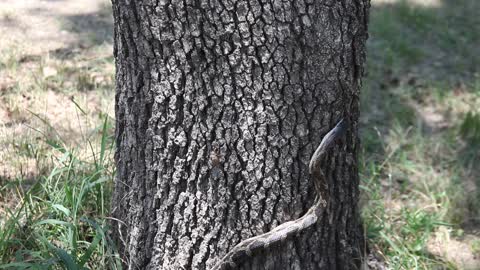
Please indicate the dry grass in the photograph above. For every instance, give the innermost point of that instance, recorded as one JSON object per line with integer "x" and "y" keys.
{"x": 56, "y": 111}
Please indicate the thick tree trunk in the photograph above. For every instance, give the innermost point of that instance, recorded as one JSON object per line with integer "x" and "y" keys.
{"x": 219, "y": 107}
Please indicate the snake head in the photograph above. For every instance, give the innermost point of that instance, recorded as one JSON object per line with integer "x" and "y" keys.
{"x": 341, "y": 128}
{"x": 328, "y": 141}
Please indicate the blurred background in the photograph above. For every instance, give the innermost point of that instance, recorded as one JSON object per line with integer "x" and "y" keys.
{"x": 420, "y": 133}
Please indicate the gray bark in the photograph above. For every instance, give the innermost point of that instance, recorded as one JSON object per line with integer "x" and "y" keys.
{"x": 219, "y": 107}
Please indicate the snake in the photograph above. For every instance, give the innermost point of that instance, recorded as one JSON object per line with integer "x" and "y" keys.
{"x": 285, "y": 230}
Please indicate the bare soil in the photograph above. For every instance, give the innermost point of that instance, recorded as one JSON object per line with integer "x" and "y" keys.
{"x": 56, "y": 80}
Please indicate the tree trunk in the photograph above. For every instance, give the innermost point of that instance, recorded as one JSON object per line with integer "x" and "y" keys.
{"x": 219, "y": 107}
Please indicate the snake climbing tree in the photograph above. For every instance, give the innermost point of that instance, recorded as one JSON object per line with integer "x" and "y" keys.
{"x": 237, "y": 133}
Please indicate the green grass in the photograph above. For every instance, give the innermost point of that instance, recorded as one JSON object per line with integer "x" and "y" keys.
{"x": 61, "y": 221}
{"x": 56, "y": 168}
{"x": 420, "y": 129}
{"x": 406, "y": 199}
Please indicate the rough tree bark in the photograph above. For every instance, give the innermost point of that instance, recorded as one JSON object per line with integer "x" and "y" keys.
{"x": 219, "y": 107}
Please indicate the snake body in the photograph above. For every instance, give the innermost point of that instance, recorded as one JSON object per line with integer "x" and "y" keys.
{"x": 248, "y": 246}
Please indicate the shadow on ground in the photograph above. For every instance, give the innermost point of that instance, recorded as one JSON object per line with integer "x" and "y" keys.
{"x": 423, "y": 78}
{"x": 89, "y": 29}
{"x": 97, "y": 27}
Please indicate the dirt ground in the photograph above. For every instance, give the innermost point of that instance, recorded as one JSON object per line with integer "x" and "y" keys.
{"x": 43, "y": 26}
{"x": 52, "y": 52}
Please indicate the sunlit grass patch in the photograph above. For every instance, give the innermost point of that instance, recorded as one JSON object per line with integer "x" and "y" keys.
{"x": 419, "y": 175}
{"x": 61, "y": 220}
{"x": 37, "y": 94}
{"x": 56, "y": 167}
{"x": 407, "y": 199}
{"x": 9, "y": 59}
